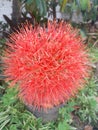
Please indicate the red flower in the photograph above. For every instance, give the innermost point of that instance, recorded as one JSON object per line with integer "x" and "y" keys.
{"x": 49, "y": 64}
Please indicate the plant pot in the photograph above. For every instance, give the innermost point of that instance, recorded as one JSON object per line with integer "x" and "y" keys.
{"x": 45, "y": 115}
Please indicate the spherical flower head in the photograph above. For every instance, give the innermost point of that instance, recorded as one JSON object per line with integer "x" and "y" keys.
{"x": 49, "y": 64}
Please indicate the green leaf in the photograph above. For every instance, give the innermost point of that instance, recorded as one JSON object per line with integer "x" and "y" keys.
{"x": 4, "y": 124}
{"x": 84, "y": 4}
{"x": 13, "y": 127}
{"x": 65, "y": 126}
{"x": 29, "y": 1}
{"x": 61, "y": 126}
{"x": 63, "y": 4}
{"x": 10, "y": 97}
{"x": 83, "y": 33}
{"x": 95, "y": 2}
{"x": 2, "y": 119}
{"x": 44, "y": 7}
{"x": 39, "y": 6}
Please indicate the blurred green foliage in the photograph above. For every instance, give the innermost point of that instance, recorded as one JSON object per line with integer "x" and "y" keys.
{"x": 88, "y": 8}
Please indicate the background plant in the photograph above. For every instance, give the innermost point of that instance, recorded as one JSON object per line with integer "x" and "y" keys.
{"x": 65, "y": 117}
{"x": 80, "y": 13}
{"x": 87, "y": 104}
{"x": 13, "y": 114}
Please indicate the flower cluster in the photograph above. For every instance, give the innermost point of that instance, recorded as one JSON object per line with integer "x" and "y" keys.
{"x": 50, "y": 64}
